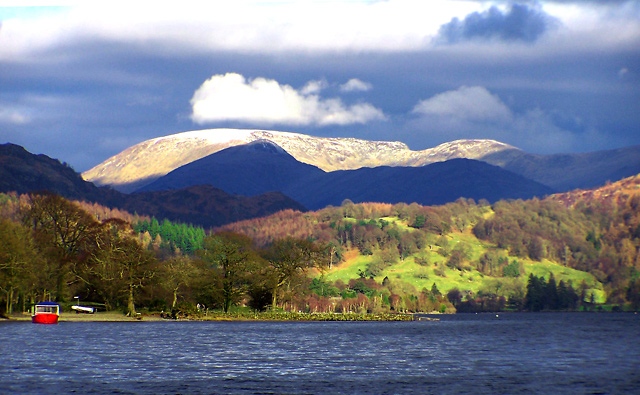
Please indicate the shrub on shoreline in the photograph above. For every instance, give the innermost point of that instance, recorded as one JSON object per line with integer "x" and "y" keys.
{"x": 291, "y": 316}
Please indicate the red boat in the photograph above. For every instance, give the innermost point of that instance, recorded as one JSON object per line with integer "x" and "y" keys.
{"x": 46, "y": 313}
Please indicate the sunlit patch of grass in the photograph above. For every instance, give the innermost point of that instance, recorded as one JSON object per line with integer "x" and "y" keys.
{"x": 568, "y": 275}
{"x": 353, "y": 265}
{"x": 468, "y": 279}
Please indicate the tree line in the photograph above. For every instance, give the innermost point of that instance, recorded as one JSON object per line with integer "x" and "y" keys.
{"x": 601, "y": 239}
{"x": 540, "y": 295}
{"x": 595, "y": 236}
{"x": 53, "y": 249}
{"x": 173, "y": 238}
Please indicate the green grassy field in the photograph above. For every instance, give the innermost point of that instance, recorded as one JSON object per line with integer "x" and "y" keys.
{"x": 445, "y": 278}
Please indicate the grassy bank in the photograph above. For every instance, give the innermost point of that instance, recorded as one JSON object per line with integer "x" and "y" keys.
{"x": 220, "y": 316}
{"x": 287, "y": 316}
{"x": 436, "y": 271}
{"x": 109, "y": 316}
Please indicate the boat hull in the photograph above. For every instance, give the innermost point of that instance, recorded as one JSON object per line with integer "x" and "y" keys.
{"x": 44, "y": 318}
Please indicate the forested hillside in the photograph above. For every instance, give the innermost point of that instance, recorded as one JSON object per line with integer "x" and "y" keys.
{"x": 590, "y": 238}
{"x": 570, "y": 251}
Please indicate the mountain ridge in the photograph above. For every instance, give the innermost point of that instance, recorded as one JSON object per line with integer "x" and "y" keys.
{"x": 565, "y": 172}
{"x": 433, "y": 184}
{"x": 260, "y": 167}
{"x": 143, "y": 163}
{"x": 149, "y": 160}
{"x": 23, "y": 172}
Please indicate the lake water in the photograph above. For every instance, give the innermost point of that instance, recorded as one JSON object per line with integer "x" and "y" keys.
{"x": 555, "y": 353}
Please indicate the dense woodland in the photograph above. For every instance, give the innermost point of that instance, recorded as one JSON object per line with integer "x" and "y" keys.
{"x": 55, "y": 249}
{"x": 597, "y": 232}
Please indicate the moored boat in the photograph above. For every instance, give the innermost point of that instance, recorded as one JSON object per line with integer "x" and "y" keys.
{"x": 83, "y": 309}
{"x": 46, "y": 313}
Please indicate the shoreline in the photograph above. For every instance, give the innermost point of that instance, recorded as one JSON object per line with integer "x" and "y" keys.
{"x": 219, "y": 316}
{"x": 108, "y": 316}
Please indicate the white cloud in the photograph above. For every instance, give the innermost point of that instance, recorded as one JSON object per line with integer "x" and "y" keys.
{"x": 622, "y": 73}
{"x": 595, "y": 25}
{"x": 476, "y": 113}
{"x": 292, "y": 25}
{"x": 355, "y": 85}
{"x": 313, "y": 87}
{"x": 13, "y": 116}
{"x": 246, "y": 26}
{"x": 261, "y": 101}
{"x": 474, "y": 103}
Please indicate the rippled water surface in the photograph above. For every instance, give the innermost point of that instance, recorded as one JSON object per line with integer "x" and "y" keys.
{"x": 509, "y": 353}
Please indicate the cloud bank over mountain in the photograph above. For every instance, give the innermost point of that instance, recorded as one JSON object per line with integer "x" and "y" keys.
{"x": 475, "y": 111}
{"x": 86, "y": 80}
{"x": 474, "y": 103}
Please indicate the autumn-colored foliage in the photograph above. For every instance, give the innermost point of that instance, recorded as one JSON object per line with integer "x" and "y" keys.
{"x": 596, "y": 232}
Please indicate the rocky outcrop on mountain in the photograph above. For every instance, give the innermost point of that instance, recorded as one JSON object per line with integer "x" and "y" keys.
{"x": 143, "y": 163}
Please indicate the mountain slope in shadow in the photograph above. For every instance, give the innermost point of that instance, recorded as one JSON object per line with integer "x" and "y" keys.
{"x": 251, "y": 169}
{"x": 23, "y": 172}
{"x": 434, "y": 184}
{"x": 262, "y": 166}
{"x": 565, "y": 172}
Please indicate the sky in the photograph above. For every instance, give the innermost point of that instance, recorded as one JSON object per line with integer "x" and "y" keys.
{"x": 81, "y": 81}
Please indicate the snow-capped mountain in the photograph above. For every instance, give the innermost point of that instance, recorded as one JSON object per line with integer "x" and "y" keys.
{"x": 145, "y": 162}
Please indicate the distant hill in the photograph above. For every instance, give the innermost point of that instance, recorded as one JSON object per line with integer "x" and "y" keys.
{"x": 434, "y": 184}
{"x": 23, "y": 172}
{"x": 251, "y": 169}
{"x": 611, "y": 195}
{"x": 564, "y": 172}
{"x": 262, "y": 166}
{"x": 207, "y": 206}
{"x": 149, "y": 160}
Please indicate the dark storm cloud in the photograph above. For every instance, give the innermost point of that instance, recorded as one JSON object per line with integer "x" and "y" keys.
{"x": 135, "y": 96}
{"x": 91, "y": 93}
{"x": 518, "y": 23}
